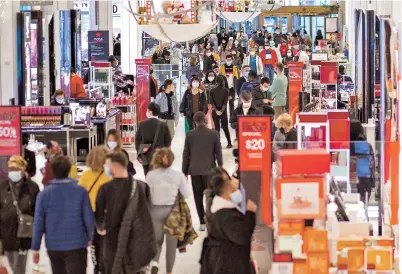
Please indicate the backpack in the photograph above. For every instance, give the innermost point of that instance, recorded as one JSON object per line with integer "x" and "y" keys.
{"x": 364, "y": 159}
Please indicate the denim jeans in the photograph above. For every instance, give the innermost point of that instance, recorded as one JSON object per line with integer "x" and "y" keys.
{"x": 269, "y": 72}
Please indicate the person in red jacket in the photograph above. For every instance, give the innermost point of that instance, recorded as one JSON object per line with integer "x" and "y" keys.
{"x": 269, "y": 59}
{"x": 77, "y": 86}
{"x": 283, "y": 48}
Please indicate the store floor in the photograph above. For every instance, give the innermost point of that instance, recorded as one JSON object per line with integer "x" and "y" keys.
{"x": 186, "y": 263}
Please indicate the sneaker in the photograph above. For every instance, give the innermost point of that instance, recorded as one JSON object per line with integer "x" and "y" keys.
{"x": 229, "y": 146}
{"x": 154, "y": 267}
{"x": 202, "y": 228}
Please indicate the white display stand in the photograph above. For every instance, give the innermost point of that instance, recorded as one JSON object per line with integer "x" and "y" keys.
{"x": 105, "y": 83}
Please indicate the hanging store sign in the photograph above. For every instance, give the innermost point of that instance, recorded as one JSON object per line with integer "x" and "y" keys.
{"x": 98, "y": 45}
{"x": 255, "y": 161}
{"x": 10, "y": 130}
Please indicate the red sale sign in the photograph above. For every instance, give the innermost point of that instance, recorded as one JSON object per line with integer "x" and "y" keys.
{"x": 255, "y": 160}
{"x": 143, "y": 99}
{"x": 10, "y": 130}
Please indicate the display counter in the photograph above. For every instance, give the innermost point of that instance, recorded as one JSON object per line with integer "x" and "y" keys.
{"x": 43, "y": 124}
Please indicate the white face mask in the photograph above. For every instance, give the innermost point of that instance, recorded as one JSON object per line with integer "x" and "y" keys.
{"x": 15, "y": 176}
{"x": 209, "y": 54}
{"x": 266, "y": 47}
{"x": 246, "y": 105}
{"x": 229, "y": 63}
{"x": 236, "y": 43}
{"x": 195, "y": 84}
{"x": 265, "y": 88}
{"x": 233, "y": 53}
{"x": 113, "y": 144}
{"x": 211, "y": 78}
{"x": 252, "y": 53}
{"x": 289, "y": 54}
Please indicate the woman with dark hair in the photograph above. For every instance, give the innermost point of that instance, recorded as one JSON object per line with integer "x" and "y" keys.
{"x": 209, "y": 83}
{"x": 219, "y": 97}
{"x": 194, "y": 100}
{"x": 227, "y": 248}
{"x": 362, "y": 154}
{"x": 208, "y": 60}
{"x": 318, "y": 37}
{"x": 167, "y": 101}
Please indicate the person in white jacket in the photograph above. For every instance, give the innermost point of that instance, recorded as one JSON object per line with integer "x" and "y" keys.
{"x": 254, "y": 61}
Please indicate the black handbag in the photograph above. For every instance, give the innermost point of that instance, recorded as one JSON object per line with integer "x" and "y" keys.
{"x": 25, "y": 221}
{"x": 145, "y": 151}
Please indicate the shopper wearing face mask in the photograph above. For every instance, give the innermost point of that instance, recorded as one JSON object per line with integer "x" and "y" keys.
{"x": 254, "y": 61}
{"x": 222, "y": 36}
{"x": 284, "y": 124}
{"x": 243, "y": 39}
{"x": 225, "y": 50}
{"x": 114, "y": 143}
{"x": 123, "y": 217}
{"x": 237, "y": 58}
{"x": 194, "y": 100}
{"x": 277, "y": 37}
{"x": 150, "y": 135}
{"x": 270, "y": 58}
{"x": 153, "y": 84}
{"x": 209, "y": 83}
{"x": 278, "y": 90}
{"x": 193, "y": 69}
{"x": 17, "y": 196}
{"x": 287, "y": 59}
{"x": 245, "y": 108}
{"x": 208, "y": 61}
{"x": 243, "y": 79}
{"x": 232, "y": 74}
{"x": 252, "y": 82}
{"x": 169, "y": 106}
{"x": 58, "y": 98}
{"x": 262, "y": 95}
{"x": 227, "y": 248}
{"x": 218, "y": 99}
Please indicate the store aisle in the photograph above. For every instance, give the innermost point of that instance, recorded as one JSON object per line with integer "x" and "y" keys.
{"x": 186, "y": 263}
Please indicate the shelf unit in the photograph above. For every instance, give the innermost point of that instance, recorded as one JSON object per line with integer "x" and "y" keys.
{"x": 101, "y": 77}
{"x": 128, "y": 125}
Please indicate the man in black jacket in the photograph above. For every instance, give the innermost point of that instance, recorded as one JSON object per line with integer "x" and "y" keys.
{"x": 245, "y": 108}
{"x": 202, "y": 150}
{"x": 261, "y": 95}
{"x": 243, "y": 79}
{"x": 147, "y": 129}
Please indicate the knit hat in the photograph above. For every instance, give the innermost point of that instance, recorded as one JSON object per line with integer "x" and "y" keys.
{"x": 17, "y": 161}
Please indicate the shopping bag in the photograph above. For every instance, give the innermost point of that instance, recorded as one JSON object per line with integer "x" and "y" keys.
{"x": 186, "y": 125}
{"x": 210, "y": 121}
{"x": 37, "y": 269}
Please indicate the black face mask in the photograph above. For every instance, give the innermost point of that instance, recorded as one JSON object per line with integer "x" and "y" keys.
{"x": 282, "y": 130}
{"x": 151, "y": 71}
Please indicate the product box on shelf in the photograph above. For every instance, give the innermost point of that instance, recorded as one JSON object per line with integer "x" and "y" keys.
{"x": 318, "y": 262}
{"x": 355, "y": 259}
{"x": 306, "y": 162}
{"x": 378, "y": 241}
{"x": 344, "y": 244}
{"x": 315, "y": 240}
{"x": 300, "y": 266}
{"x": 290, "y": 227}
{"x": 379, "y": 258}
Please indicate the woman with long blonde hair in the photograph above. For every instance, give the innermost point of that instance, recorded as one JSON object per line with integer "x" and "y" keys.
{"x": 92, "y": 180}
{"x": 165, "y": 184}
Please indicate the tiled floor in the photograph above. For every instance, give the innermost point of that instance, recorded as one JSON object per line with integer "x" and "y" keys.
{"x": 186, "y": 263}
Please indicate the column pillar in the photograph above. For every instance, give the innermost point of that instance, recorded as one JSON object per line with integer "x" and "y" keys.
{"x": 8, "y": 51}
{"x": 131, "y": 40}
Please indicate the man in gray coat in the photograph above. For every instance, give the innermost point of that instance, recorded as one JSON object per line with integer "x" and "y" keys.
{"x": 202, "y": 151}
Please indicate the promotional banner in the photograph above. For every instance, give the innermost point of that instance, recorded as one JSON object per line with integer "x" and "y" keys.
{"x": 98, "y": 45}
{"x": 143, "y": 89}
{"x": 295, "y": 79}
{"x": 329, "y": 73}
{"x": 255, "y": 160}
{"x": 10, "y": 130}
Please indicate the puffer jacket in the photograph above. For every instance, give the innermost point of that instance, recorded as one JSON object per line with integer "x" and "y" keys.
{"x": 25, "y": 192}
{"x": 186, "y": 106}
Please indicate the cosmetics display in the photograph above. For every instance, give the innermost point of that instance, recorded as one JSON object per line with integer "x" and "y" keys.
{"x": 41, "y": 116}
{"x": 101, "y": 76}
{"x": 128, "y": 124}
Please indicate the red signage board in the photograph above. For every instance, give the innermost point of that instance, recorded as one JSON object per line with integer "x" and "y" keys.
{"x": 10, "y": 130}
{"x": 295, "y": 79}
{"x": 329, "y": 73}
{"x": 255, "y": 160}
{"x": 143, "y": 88}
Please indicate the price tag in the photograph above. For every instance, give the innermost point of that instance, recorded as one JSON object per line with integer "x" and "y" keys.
{"x": 255, "y": 144}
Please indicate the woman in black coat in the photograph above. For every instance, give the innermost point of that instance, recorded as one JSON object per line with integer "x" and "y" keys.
{"x": 24, "y": 191}
{"x": 194, "y": 100}
{"x": 227, "y": 248}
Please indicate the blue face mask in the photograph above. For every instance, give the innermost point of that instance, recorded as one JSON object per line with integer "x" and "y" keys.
{"x": 237, "y": 197}
{"x": 15, "y": 176}
{"x": 107, "y": 171}
{"x": 112, "y": 144}
{"x": 60, "y": 101}
{"x": 246, "y": 74}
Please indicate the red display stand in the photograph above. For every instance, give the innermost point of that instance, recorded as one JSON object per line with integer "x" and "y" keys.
{"x": 295, "y": 78}
{"x": 143, "y": 88}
